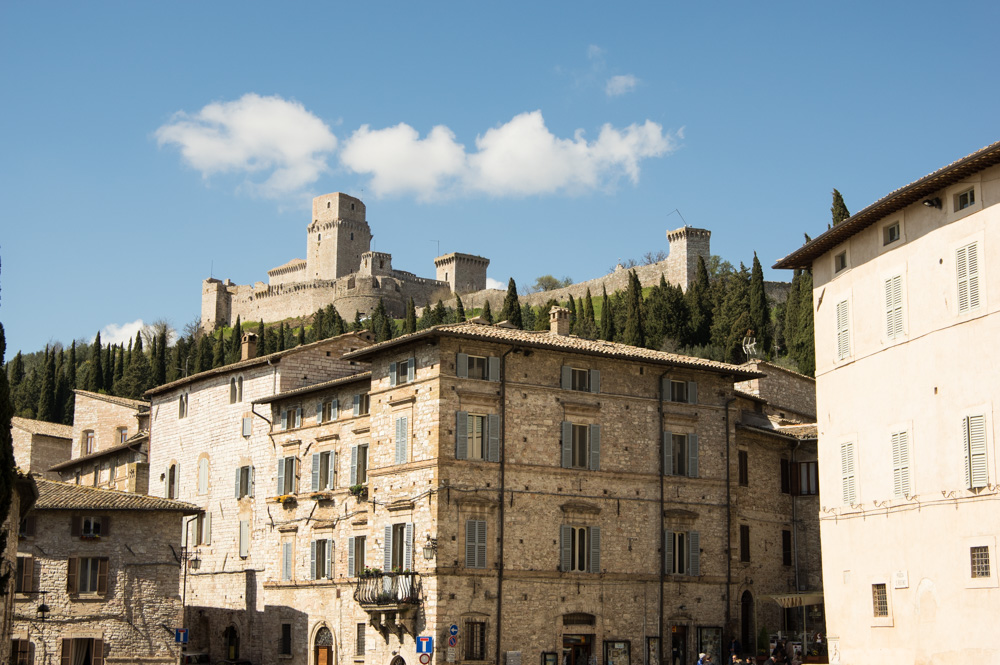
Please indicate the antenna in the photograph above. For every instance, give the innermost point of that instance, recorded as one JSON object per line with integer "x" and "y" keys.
{"x": 678, "y": 214}
{"x": 749, "y": 344}
{"x": 439, "y": 246}
{"x": 211, "y": 270}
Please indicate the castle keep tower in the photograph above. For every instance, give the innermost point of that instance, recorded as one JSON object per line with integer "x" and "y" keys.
{"x": 686, "y": 245}
{"x": 337, "y": 237}
{"x": 463, "y": 272}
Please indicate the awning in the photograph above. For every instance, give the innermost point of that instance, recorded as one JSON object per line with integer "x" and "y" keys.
{"x": 787, "y": 600}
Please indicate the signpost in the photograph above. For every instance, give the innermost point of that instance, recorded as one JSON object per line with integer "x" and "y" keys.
{"x": 425, "y": 644}
{"x": 425, "y": 658}
{"x": 453, "y": 630}
{"x": 181, "y": 635}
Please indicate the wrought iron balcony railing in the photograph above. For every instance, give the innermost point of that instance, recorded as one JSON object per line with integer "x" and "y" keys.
{"x": 386, "y": 589}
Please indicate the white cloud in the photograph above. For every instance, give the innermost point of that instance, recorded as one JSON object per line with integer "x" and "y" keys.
{"x": 519, "y": 158}
{"x": 619, "y": 85}
{"x": 120, "y": 334}
{"x": 495, "y": 284}
{"x": 268, "y": 136}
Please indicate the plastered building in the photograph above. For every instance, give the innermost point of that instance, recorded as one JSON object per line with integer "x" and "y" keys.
{"x": 551, "y": 497}
{"x": 906, "y": 298}
{"x": 340, "y": 269}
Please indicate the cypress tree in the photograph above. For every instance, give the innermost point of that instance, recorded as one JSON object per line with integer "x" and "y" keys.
{"x": 281, "y": 337}
{"x": 487, "y": 313}
{"x": 109, "y": 367}
{"x": 63, "y": 393}
{"x": 459, "y": 309}
{"x": 47, "y": 398}
{"x": 137, "y": 375}
{"x": 677, "y": 326}
{"x": 528, "y": 316}
{"x": 382, "y": 323}
{"x": 261, "y": 340}
{"x": 203, "y": 358}
{"x": 572, "y": 314}
{"x": 410, "y": 322}
{"x": 588, "y": 308}
{"x": 235, "y": 341}
{"x": 699, "y": 304}
{"x": 440, "y": 314}
{"x": 656, "y": 314}
{"x": 760, "y": 313}
{"x": 7, "y": 475}
{"x": 17, "y": 371}
{"x": 318, "y": 326}
{"x": 96, "y": 366}
{"x": 302, "y": 334}
{"x": 70, "y": 406}
{"x": 160, "y": 360}
{"x": 219, "y": 351}
{"x": 358, "y": 323}
{"x": 119, "y": 367}
{"x": 426, "y": 317}
{"x": 731, "y": 320}
{"x": 634, "y": 333}
{"x": 607, "y": 317}
{"x": 339, "y": 327}
{"x": 511, "y": 311}
{"x": 838, "y": 210}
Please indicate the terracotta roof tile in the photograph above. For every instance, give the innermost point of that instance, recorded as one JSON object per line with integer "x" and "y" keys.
{"x": 130, "y": 443}
{"x": 41, "y": 427}
{"x": 137, "y": 404}
{"x": 53, "y": 495}
{"x": 314, "y": 388}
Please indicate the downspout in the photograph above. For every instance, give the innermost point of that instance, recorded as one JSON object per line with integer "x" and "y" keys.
{"x": 729, "y": 523}
{"x": 500, "y": 512}
{"x": 663, "y": 558}
{"x": 795, "y": 546}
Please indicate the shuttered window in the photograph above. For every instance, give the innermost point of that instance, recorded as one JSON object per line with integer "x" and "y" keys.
{"x": 894, "y": 307}
{"x": 323, "y": 467}
{"x": 676, "y": 390}
{"x": 901, "y": 464}
{"x": 23, "y": 583}
{"x": 477, "y": 436}
{"x": 680, "y": 454}
{"x": 848, "y": 484}
{"x": 974, "y": 440}
{"x": 477, "y": 367}
{"x": 87, "y": 575}
{"x": 287, "y": 470}
{"x": 355, "y": 555}
{"x": 286, "y": 561}
{"x": 244, "y": 481}
{"x": 682, "y": 552}
{"x": 475, "y": 543}
{"x": 580, "y": 548}
{"x": 843, "y": 330}
{"x": 967, "y": 269}
{"x": 244, "y": 539}
{"x": 397, "y": 548}
{"x": 359, "y": 464}
{"x": 581, "y": 446}
{"x": 402, "y": 440}
{"x": 321, "y": 559}
{"x": 402, "y": 372}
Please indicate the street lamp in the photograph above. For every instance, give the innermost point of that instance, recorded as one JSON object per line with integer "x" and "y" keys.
{"x": 430, "y": 547}
{"x": 42, "y": 612}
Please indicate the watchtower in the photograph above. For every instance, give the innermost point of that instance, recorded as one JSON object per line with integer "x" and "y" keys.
{"x": 337, "y": 237}
{"x": 463, "y": 272}
{"x": 686, "y": 245}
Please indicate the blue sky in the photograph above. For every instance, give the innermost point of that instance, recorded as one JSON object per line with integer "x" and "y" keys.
{"x": 149, "y": 145}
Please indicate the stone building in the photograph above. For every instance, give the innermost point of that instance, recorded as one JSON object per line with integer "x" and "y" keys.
{"x": 25, "y": 492}
{"x": 98, "y": 578}
{"x": 907, "y": 311}
{"x": 40, "y": 445}
{"x": 551, "y": 497}
{"x": 340, "y": 269}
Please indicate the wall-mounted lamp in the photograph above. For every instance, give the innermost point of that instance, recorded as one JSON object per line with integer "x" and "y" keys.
{"x": 430, "y": 547}
{"x": 933, "y": 203}
{"x": 42, "y": 612}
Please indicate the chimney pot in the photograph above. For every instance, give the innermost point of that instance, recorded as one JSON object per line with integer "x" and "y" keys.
{"x": 559, "y": 321}
{"x": 248, "y": 346}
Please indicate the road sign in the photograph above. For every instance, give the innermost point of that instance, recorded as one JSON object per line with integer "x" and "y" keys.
{"x": 181, "y": 635}
{"x": 453, "y": 630}
{"x": 425, "y": 644}
{"x": 425, "y": 658}
{"x": 452, "y": 641}
{"x": 451, "y": 655}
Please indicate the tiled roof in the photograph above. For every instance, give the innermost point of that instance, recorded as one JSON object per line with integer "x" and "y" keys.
{"x": 41, "y": 427}
{"x": 900, "y": 198}
{"x": 53, "y": 495}
{"x": 131, "y": 442}
{"x": 568, "y": 343}
{"x": 354, "y": 378}
{"x": 252, "y": 362}
{"x": 808, "y": 431}
{"x": 137, "y": 404}
{"x": 764, "y": 365}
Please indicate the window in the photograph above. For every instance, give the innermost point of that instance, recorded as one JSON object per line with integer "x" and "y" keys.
{"x": 848, "y": 484}
{"x": 285, "y": 645}
{"x": 287, "y": 468}
{"x": 121, "y": 434}
{"x": 477, "y": 436}
{"x": 327, "y": 411}
{"x": 475, "y": 543}
{"x": 980, "y": 558}
{"x": 786, "y": 547}
{"x": 744, "y": 468}
{"x": 323, "y": 470}
{"x": 581, "y": 446}
{"x": 244, "y": 539}
{"x": 172, "y": 481}
{"x": 890, "y": 233}
{"x": 22, "y": 652}
{"x": 362, "y": 404}
{"x": 291, "y": 418}
{"x": 685, "y": 392}
{"x": 398, "y": 547}
{"x": 584, "y": 380}
{"x": 974, "y": 440}
{"x": 400, "y": 373}
{"x": 680, "y": 454}
{"x": 402, "y": 439}
{"x": 203, "y": 475}
{"x": 580, "y": 549}
{"x": 805, "y": 479}
{"x": 87, "y": 575}
{"x": 359, "y": 464}
{"x": 843, "y": 330}
{"x": 965, "y": 199}
{"x": 97, "y": 475}
{"x": 244, "y": 481}
{"x": 682, "y": 552}
{"x": 901, "y": 464}
{"x": 203, "y": 529}
{"x": 247, "y": 428}
{"x": 744, "y": 543}
{"x": 320, "y": 559}
{"x": 359, "y": 640}
{"x": 475, "y": 640}
{"x": 786, "y": 477}
{"x": 182, "y": 405}
{"x": 880, "y": 601}
{"x": 26, "y": 574}
{"x": 235, "y": 389}
{"x": 840, "y": 261}
{"x": 477, "y": 367}
{"x": 93, "y": 527}
{"x": 87, "y": 442}
{"x": 286, "y": 561}
{"x": 26, "y": 528}
{"x": 967, "y": 270}
{"x": 894, "y": 307}
{"x": 355, "y": 555}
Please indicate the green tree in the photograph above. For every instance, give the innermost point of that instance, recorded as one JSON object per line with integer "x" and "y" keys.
{"x": 426, "y": 317}
{"x": 838, "y": 210}
{"x": 634, "y": 333}
{"x": 281, "y": 337}
{"x": 235, "y": 342}
{"x": 550, "y": 283}
{"x": 607, "y": 317}
{"x": 528, "y": 316}
{"x": 7, "y": 475}
{"x": 160, "y": 361}
{"x": 760, "y": 312}
{"x": 302, "y": 335}
{"x": 319, "y": 325}
{"x": 96, "y": 366}
{"x": 17, "y": 371}
{"x": 261, "y": 339}
{"x": 382, "y": 324}
{"x": 109, "y": 367}
{"x": 699, "y": 303}
{"x": 572, "y": 314}
{"x": 47, "y": 398}
{"x": 136, "y": 379}
{"x": 219, "y": 350}
{"x": 511, "y": 311}
{"x": 459, "y": 309}
{"x": 440, "y": 314}
{"x": 70, "y": 406}
{"x": 731, "y": 319}
{"x": 487, "y": 313}
{"x": 410, "y": 322}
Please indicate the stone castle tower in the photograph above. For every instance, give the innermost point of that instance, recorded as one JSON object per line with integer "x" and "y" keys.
{"x": 686, "y": 245}
{"x": 338, "y": 236}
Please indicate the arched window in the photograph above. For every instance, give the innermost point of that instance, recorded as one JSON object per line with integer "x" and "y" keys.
{"x": 232, "y": 642}
{"x": 203, "y": 475}
{"x": 746, "y": 620}
{"x": 235, "y": 389}
{"x": 172, "y": 481}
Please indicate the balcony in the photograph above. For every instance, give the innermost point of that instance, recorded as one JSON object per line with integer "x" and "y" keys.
{"x": 391, "y": 600}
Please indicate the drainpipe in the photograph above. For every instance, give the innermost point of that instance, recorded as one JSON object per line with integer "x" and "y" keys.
{"x": 663, "y": 557}
{"x": 729, "y": 523}
{"x": 795, "y": 547}
{"x": 500, "y": 512}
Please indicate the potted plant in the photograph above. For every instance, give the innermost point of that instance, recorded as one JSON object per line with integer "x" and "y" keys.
{"x": 360, "y": 492}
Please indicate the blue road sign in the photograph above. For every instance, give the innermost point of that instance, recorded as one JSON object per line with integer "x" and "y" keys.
{"x": 181, "y": 635}
{"x": 425, "y": 644}
{"x": 453, "y": 630}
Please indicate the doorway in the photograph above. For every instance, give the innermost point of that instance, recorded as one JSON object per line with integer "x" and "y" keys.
{"x": 746, "y": 623}
{"x": 231, "y": 638}
{"x": 577, "y": 649}
{"x": 323, "y": 647}
{"x": 678, "y": 645}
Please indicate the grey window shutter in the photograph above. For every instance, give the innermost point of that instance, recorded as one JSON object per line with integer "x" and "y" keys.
{"x": 694, "y": 560}
{"x": 357, "y": 405}
{"x": 319, "y": 412}
{"x": 312, "y": 560}
{"x": 595, "y": 380}
{"x": 565, "y": 547}
{"x": 334, "y": 409}
{"x": 665, "y": 388}
{"x": 295, "y": 476}
{"x": 298, "y": 417}
{"x": 354, "y": 465}
{"x": 693, "y": 455}
{"x": 411, "y": 368}
{"x": 566, "y": 380}
{"x": 976, "y": 467}
{"x": 693, "y": 392}
{"x": 668, "y": 453}
{"x": 461, "y": 435}
{"x": 595, "y": 549}
{"x": 247, "y": 426}
{"x": 387, "y": 549}
{"x": 595, "y": 447}
{"x": 493, "y": 368}
{"x": 315, "y": 472}
{"x": 481, "y": 544}
{"x": 567, "y": 444}
{"x": 493, "y": 445}
{"x": 401, "y": 446}
{"x": 668, "y": 551}
{"x": 408, "y": 548}
{"x": 281, "y": 477}
{"x": 286, "y": 561}
{"x": 208, "y": 529}
{"x": 328, "y": 564}
{"x": 331, "y": 474}
{"x": 237, "y": 482}
{"x": 284, "y": 419}
{"x": 244, "y": 539}
{"x": 166, "y": 483}
{"x": 392, "y": 374}
{"x": 470, "y": 544}
{"x": 350, "y": 558}
{"x": 462, "y": 366}
{"x": 251, "y": 481}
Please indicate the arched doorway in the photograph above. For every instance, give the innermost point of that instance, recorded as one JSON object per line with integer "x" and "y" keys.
{"x": 398, "y": 660}
{"x": 231, "y": 639}
{"x": 746, "y": 623}
{"x": 323, "y": 647}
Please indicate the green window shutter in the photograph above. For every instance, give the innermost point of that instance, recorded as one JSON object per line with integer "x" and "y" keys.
{"x": 331, "y": 475}
{"x": 408, "y": 548}
{"x": 694, "y": 558}
{"x": 251, "y": 481}
{"x": 328, "y": 564}
{"x": 470, "y": 544}
{"x": 493, "y": 368}
{"x": 668, "y": 453}
{"x": 595, "y": 447}
{"x": 493, "y": 444}
{"x": 567, "y": 444}
{"x": 692, "y": 455}
{"x": 595, "y": 549}
{"x": 286, "y": 561}
{"x": 392, "y": 374}
{"x": 565, "y": 547}
{"x": 237, "y": 482}
{"x": 461, "y": 435}
{"x": 481, "y": 543}
{"x": 665, "y": 388}
{"x": 566, "y": 378}
{"x": 401, "y": 442}
{"x": 284, "y": 419}
{"x": 207, "y": 533}
{"x": 319, "y": 412}
{"x": 462, "y": 365}
{"x": 595, "y": 380}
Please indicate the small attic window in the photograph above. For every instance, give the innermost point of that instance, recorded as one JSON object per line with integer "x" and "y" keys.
{"x": 327, "y": 204}
{"x": 352, "y": 206}
{"x": 319, "y": 236}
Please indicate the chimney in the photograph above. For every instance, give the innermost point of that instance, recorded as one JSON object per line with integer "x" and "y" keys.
{"x": 559, "y": 321}
{"x": 248, "y": 348}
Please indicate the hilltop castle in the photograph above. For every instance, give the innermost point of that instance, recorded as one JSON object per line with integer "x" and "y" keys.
{"x": 339, "y": 268}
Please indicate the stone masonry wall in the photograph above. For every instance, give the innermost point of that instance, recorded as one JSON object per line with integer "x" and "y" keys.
{"x": 37, "y": 453}
{"x": 789, "y": 394}
{"x": 104, "y": 417}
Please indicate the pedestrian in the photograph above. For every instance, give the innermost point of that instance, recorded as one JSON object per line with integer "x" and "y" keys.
{"x": 704, "y": 659}
{"x": 735, "y": 648}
